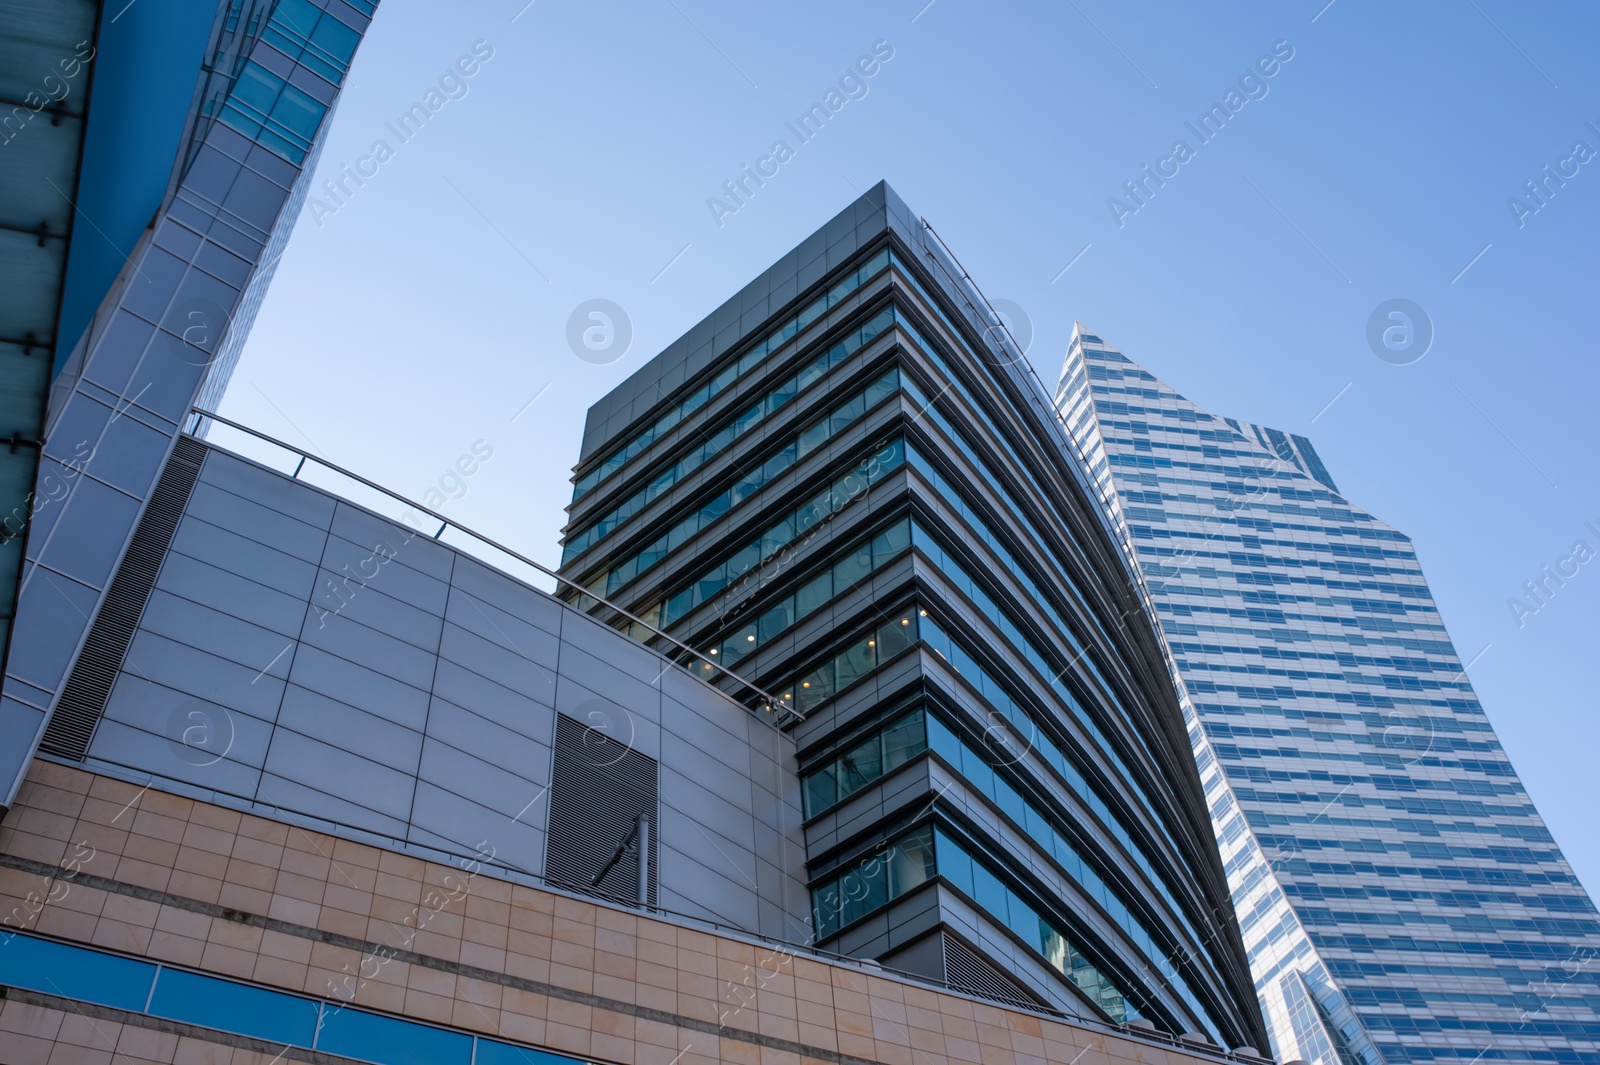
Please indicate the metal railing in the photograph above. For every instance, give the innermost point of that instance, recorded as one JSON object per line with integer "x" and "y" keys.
{"x": 767, "y": 701}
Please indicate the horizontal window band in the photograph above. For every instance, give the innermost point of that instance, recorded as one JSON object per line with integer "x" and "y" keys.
{"x": 367, "y": 948}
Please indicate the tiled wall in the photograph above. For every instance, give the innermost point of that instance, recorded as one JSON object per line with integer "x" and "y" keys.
{"x": 164, "y": 877}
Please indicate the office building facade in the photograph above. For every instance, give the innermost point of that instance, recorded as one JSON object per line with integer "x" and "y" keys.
{"x": 328, "y": 787}
{"x": 1400, "y": 897}
{"x": 845, "y": 487}
{"x": 154, "y": 212}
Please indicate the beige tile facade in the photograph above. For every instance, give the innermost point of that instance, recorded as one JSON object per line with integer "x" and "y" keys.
{"x": 98, "y": 860}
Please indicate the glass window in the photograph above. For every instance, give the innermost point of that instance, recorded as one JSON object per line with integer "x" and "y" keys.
{"x": 860, "y": 766}
{"x": 866, "y": 889}
{"x": 822, "y": 789}
{"x": 852, "y": 568}
{"x": 298, "y": 23}
{"x": 859, "y": 659}
{"x": 893, "y": 539}
{"x": 776, "y": 537}
{"x": 911, "y": 863}
{"x": 882, "y": 387}
{"x": 298, "y": 15}
{"x": 956, "y": 867}
{"x": 74, "y": 972}
{"x": 826, "y": 909}
{"x": 816, "y": 688}
{"x": 253, "y": 1011}
{"x": 775, "y": 620}
{"x": 989, "y": 892}
{"x": 1055, "y": 947}
{"x": 335, "y": 39}
{"x": 298, "y": 112}
{"x": 1011, "y": 802}
{"x": 813, "y": 594}
{"x": 369, "y": 1037}
{"x": 904, "y": 740}
{"x": 869, "y": 760}
{"x": 1024, "y": 921}
{"x": 780, "y": 461}
{"x": 888, "y": 872}
{"x": 742, "y": 559}
{"x": 257, "y": 88}
{"x": 264, "y": 106}
{"x": 812, "y": 436}
{"x": 895, "y": 635}
{"x": 846, "y": 413}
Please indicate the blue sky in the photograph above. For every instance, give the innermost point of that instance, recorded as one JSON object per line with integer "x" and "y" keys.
{"x": 419, "y": 314}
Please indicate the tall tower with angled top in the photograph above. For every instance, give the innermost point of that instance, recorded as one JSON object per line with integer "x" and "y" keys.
{"x": 1399, "y": 896}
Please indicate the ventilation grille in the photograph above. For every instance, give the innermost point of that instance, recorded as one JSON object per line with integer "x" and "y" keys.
{"x": 598, "y": 790}
{"x": 966, "y": 971}
{"x": 83, "y": 699}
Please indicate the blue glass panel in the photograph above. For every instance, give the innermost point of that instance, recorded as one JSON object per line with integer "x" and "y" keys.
{"x": 991, "y": 894}
{"x": 955, "y": 866}
{"x": 358, "y": 1034}
{"x": 281, "y": 146}
{"x": 234, "y": 116}
{"x": 298, "y": 112}
{"x": 335, "y": 38}
{"x": 253, "y": 1011}
{"x": 72, "y": 972}
{"x": 298, "y": 15}
{"x": 257, "y": 87}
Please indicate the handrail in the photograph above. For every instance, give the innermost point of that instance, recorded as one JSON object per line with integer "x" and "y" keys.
{"x": 769, "y": 702}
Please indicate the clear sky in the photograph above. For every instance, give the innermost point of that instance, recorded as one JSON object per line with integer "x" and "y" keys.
{"x": 420, "y": 313}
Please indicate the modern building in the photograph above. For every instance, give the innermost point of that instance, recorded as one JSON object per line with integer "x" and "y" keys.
{"x": 155, "y": 157}
{"x": 845, "y": 486}
{"x": 325, "y": 786}
{"x": 1400, "y": 897}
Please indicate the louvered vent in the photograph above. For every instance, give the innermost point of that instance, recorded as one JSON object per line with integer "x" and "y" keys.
{"x": 88, "y": 687}
{"x": 966, "y": 971}
{"x": 598, "y": 790}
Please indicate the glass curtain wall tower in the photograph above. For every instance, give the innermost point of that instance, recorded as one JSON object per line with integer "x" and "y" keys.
{"x": 1400, "y": 897}
{"x": 844, "y": 486}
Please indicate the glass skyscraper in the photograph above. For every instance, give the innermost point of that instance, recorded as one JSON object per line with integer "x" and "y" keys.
{"x": 1400, "y": 898}
{"x": 845, "y": 486}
